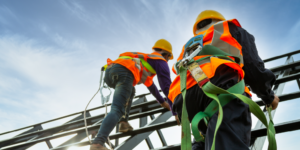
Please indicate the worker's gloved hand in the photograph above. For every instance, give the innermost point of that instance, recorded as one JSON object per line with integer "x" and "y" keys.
{"x": 165, "y": 105}
{"x": 275, "y": 102}
{"x": 177, "y": 119}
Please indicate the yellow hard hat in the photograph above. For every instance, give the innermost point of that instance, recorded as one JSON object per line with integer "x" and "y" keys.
{"x": 164, "y": 45}
{"x": 207, "y": 14}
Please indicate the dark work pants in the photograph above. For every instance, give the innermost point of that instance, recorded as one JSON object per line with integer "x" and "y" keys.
{"x": 235, "y": 130}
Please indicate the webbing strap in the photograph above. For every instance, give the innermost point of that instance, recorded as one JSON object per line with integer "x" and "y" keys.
{"x": 144, "y": 63}
{"x": 211, "y": 91}
{"x": 212, "y": 108}
{"x": 148, "y": 66}
{"x": 186, "y": 143}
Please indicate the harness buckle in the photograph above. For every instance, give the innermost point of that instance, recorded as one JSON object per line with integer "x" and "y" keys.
{"x": 184, "y": 62}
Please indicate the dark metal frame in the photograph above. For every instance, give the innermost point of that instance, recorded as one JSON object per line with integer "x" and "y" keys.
{"x": 141, "y": 109}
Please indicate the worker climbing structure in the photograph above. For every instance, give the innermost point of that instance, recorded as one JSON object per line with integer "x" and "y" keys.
{"x": 143, "y": 109}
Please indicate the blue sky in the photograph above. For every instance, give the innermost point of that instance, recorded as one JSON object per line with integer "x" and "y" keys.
{"x": 51, "y": 52}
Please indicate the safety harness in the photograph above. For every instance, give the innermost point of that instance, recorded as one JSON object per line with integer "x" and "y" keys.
{"x": 136, "y": 62}
{"x": 220, "y": 96}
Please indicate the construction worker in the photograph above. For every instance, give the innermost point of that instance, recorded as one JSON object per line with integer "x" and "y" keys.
{"x": 123, "y": 74}
{"x": 228, "y": 56}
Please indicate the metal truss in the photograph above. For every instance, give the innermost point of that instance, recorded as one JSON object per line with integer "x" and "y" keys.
{"x": 141, "y": 109}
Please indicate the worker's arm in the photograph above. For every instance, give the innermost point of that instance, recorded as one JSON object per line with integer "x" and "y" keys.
{"x": 154, "y": 91}
{"x": 163, "y": 75}
{"x": 257, "y": 76}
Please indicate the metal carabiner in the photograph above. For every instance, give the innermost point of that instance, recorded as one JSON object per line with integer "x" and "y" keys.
{"x": 188, "y": 58}
{"x": 104, "y": 99}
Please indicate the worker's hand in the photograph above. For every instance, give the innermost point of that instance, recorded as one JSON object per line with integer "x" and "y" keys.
{"x": 165, "y": 105}
{"x": 275, "y": 102}
{"x": 177, "y": 119}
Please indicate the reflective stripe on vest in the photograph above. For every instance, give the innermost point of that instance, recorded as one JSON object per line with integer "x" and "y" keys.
{"x": 218, "y": 36}
{"x": 137, "y": 63}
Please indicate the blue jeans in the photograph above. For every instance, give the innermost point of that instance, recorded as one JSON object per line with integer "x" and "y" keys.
{"x": 121, "y": 79}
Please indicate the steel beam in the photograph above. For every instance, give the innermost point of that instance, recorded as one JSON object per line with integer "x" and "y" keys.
{"x": 71, "y": 125}
{"x": 160, "y": 135}
{"x": 278, "y": 89}
{"x": 280, "y": 128}
{"x": 281, "y": 56}
{"x": 93, "y": 128}
{"x": 148, "y": 128}
{"x": 133, "y": 141}
{"x": 73, "y": 114}
{"x": 286, "y": 66}
{"x": 288, "y": 78}
{"x": 44, "y": 134}
{"x": 143, "y": 122}
{"x": 283, "y": 97}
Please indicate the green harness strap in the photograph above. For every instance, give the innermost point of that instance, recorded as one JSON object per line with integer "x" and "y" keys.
{"x": 226, "y": 96}
{"x": 186, "y": 142}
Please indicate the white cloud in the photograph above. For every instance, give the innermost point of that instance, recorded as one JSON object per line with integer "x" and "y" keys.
{"x": 46, "y": 83}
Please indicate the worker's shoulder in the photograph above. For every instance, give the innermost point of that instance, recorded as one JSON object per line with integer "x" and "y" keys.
{"x": 236, "y": 31}
{"x": 156, "y": 61}
{"x": 158, "y": 64}
{"x": 233, "y": 28}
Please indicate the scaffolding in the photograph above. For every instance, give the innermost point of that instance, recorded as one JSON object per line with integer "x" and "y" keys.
{"x": 142, "y": 109}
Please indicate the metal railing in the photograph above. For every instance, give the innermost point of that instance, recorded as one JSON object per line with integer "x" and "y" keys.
{"x": 141, "y": 109}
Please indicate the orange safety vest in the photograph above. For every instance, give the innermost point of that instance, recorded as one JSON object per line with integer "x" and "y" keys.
{"x": 136, "y": 62}
{"x": 219, "y": 36}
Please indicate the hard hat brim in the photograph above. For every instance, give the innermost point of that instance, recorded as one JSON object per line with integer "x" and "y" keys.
{"x": 165, "y": 50}
{"x": 208, "y": 17}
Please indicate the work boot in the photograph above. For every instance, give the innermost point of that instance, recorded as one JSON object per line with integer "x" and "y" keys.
{"x": 125, "y": 127}
{"x": 98, "y": 147}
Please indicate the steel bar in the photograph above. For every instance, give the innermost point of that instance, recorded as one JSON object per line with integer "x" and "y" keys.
{"x": 94, "y": 128}
{"x": 76, "y": 124}
{"x": 150, "y": 128}
{"x": 143, "y": 122}
{"x": 44, "y": 134}
{"x": 281, "y": 56}
{"x": 73, "y": 114}
{"x": 280, "y": 128}
{"x": 134, "y": 140}
{"x": 283, "y": 97}
{"x": 288, "y": 78}
{"x": 49, "y": 144}
{"x": 278, "y": 89}
{"x": 285, "y": 67}
{"x": 160, "y": 135}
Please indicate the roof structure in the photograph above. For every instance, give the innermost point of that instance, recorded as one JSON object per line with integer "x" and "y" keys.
{"x": 141, "y": 109}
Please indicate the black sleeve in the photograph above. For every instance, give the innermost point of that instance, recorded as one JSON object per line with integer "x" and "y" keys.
{"x": 257, "y": 76}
